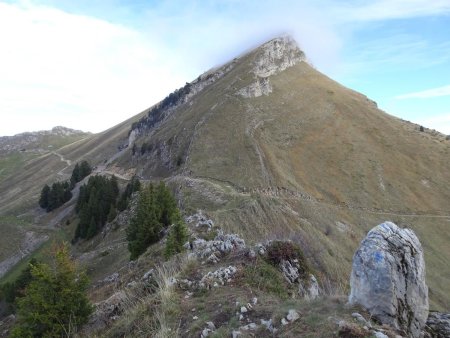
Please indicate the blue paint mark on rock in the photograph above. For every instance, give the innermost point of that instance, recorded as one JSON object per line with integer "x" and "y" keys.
{"x": 378, "y": 256}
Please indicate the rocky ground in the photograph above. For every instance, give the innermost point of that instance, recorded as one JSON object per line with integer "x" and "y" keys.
{"x": 221, "y": 287}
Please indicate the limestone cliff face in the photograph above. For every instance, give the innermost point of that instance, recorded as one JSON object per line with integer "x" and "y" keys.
{"x": 277, "y": 55}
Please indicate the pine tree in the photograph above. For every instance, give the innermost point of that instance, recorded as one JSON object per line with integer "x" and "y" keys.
{"x": 85, "y": 170}
{"x": 112, "y": 213}
{"x": 145, "y": 227}
{"x": 156, "y": 210}
{"x": 75, "y": 175}
{"x": 44, "y": 199}
{"x": 178, "y": 236}
{"x": 166, "y": 204}
{"x": 55, "y": 302}
{"x": 92, "y": 229}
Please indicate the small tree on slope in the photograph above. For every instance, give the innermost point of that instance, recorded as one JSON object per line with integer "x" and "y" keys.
{"x": 178, "y": 236}
{"x": 55, "y": 302}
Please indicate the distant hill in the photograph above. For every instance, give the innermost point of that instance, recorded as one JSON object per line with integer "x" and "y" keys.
{"x": 42, "y": 141}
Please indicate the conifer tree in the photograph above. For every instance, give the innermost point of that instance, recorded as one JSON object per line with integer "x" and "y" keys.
{"x": 155, "y": 211}
{"x": 144, "y": 227}
{"x": 43, "y": 200}
{"x": 75, "y": 175}
{"x": 112, "y": 213}
{"x": 178, "y": 236}
{"x": 166, "y": 204}
{"x": 85, "y": 169}
{"x": 55, "y": 302}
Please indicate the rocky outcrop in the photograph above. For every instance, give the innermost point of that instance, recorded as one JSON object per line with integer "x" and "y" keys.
{"x": 388, "y": 278}
{"x": 213, "y": 250}
{"x": 199, "y": 220}
{"x": 292, "y": 266}
{"x": 277, "y": 55}
{"x": 309, "y": 290}
{"x": 272, "y": 58}
{"x": 258, "y": 88}
{"x": 438, "y": 325}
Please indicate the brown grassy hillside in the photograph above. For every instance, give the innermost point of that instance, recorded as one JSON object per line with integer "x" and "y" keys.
{"x": 271, "y": 148}
{"x": 307, "y": 159}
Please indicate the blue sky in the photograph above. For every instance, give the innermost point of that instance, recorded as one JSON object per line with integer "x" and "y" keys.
{"x": 90, "y": 65}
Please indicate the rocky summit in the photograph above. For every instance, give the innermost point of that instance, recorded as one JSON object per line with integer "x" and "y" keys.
{"x": 280, "y": 173}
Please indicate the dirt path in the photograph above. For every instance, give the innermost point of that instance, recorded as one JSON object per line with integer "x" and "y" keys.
{"x": 285, "y": 193}
{"x": 68, "y": 162}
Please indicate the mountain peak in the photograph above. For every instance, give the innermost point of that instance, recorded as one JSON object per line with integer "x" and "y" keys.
{"x": 276, "y": 55}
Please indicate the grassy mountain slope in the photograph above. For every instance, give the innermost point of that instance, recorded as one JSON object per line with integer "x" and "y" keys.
{"x": 27, "y": 171}
{"x": 309, "y": 159}
{"x": 271, "y": 148}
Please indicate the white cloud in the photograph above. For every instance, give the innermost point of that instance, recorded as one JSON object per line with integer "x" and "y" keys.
{"x": 87, "y": 73}
{"x": 57, "y": 68}
{"x": 426, "y": 94}
{"x": 64, "y": 69}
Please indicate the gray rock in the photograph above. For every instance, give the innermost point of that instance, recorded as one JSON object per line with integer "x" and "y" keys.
{"x": 261, "y": 249}
{"x": 249, "y": 327}
{"x": 261, "y": 86}
{"x": 243, "y": 309}
{"x": 235, "y": 334}
{"x": 220, "y": 276}
{"x": 309, "y": 290}
{"x": 215, "y": 249}
{"x": 388, "y": 278}
{"x": 131, "y": 284}
{"x": 290, "y": 271}
{"x": 277, "y": 55}
{"x": 114, "y": 278}
{"x": 211, "y": 326}
{"x": 438, "y": 325}
{"x": 292, "y": 316}
{"x": 205, "y": 333}
{"x": 361, "y": 319}
{"x": 379, "y": 334}
{"x": 148, "y": 275}
{"x": 269, "y": 325}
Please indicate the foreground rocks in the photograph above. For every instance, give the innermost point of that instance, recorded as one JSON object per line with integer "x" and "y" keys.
{"x": 438, "y": 325}
{"x": 388, "y": 278}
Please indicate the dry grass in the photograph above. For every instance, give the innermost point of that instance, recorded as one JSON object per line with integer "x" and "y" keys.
{"x": 152, "y": 312}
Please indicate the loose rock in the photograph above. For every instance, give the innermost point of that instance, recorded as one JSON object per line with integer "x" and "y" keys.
{"x": 292, "y": 316}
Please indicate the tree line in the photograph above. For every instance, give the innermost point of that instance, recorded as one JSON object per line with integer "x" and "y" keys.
{"x": 155, "y": 114}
